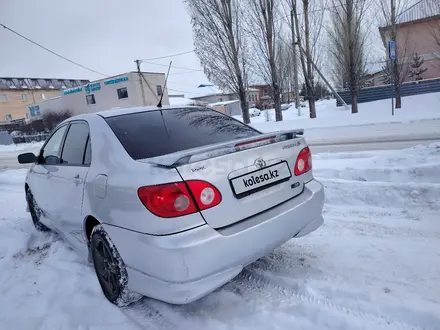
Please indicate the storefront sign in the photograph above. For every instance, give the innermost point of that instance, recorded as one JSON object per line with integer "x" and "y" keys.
{"x": 92, "y": 87}
{"x": 34, "y": 110}
{"x": 115, "y": 80}
{"x": 72, "y": 90}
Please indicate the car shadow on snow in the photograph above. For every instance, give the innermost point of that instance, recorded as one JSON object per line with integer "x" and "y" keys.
{"x": 253, "y": 286}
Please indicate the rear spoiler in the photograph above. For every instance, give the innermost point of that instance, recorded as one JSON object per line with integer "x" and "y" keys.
{"x": 219, "y": 149}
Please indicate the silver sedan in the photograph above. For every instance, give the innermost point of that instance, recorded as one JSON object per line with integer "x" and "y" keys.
{"x": 171, "y": 203}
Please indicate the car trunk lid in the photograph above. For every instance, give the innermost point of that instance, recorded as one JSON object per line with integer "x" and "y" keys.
{"x": 252, "y": 174}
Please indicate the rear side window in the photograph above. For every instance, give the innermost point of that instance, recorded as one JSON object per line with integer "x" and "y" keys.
{"x": 75, "y": 144}
{"x": 155, "y": 133}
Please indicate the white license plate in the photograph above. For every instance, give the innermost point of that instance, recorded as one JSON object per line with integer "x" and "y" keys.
{"x": 261, "y": 178}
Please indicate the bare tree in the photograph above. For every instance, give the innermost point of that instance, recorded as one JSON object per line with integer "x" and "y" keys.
{"x": 347, "y": 44}
{"x": 390, "y": 11}
{"x": 432, "y": 9}
{"x": 306, "y": 55}
{"x": 285, "y": 68}
{"x": 221, "y": 46}
{"x": 264, "y": 28}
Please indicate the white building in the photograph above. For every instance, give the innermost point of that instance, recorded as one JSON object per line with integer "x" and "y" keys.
{"x": 121, "y": 91}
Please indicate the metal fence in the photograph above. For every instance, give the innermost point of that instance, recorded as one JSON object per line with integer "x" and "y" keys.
{"x": 29, "y": 138}
{"x": 387, "y": 91}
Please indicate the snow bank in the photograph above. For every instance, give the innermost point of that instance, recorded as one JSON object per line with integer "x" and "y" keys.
{"x": 15, "y": 148}
{"x": 414, "y": 108}
{"x": 374, "y": 264}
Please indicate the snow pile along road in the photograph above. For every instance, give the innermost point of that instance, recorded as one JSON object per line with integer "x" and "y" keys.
{"x": 374, "y": 264}
{"x": 9, "y": 153}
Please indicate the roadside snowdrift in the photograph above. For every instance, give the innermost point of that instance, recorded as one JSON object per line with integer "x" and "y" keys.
{"x": 374, "y": 264}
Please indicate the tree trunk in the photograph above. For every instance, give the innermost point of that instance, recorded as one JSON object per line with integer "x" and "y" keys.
{"x": 309, "y": 79}
{"x": 243, "y": 99}
{"x": 312, "y": 108}
{"x": 277, "y": 100}
{"x": 354, "y": 102}
{"x": 244, "y": 106}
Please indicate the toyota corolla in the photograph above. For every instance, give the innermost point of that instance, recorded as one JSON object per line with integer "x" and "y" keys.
{"x": 171, "y": 203}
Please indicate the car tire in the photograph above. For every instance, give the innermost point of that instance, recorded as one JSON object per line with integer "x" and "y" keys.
{"x": 110, "y": 269}
{"x": 35, "y": 212}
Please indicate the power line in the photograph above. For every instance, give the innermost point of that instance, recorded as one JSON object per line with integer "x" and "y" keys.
{"x": 52, "y": 52}
{"x": 176, "y": 90}
{"x": 168, "y": 56}
{"x": 173, "y": 66}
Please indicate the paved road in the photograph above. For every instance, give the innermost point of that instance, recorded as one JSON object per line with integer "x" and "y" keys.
{"x": 10, "y": 161}
{"x": 336, "y": 139}
{"x": 365, "y": 146}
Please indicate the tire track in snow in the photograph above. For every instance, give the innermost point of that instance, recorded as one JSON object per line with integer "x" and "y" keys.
{"x": 146, "y": 316}
{"x": 262, "y": 281}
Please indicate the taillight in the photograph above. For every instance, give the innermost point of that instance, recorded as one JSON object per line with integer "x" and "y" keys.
{"x": 177, "y": 199}
{"x": 303, "y": 162}
{"x": 205, "y": 194}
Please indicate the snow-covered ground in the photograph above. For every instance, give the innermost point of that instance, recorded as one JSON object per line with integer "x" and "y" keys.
{"x": 9, "y": 153}
{"x": 414, "y": 108}
{"x": 374, "y": 264}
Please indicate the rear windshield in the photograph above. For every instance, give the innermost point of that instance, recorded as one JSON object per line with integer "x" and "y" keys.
{"x": 155, "y": 133}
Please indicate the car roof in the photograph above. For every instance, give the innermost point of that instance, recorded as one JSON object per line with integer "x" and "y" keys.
{"x": 126, "y": 111}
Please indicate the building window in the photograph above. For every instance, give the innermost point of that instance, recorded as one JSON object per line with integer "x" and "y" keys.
{"x": 90, "y": 99}
{"x": 24, "y": 97}
{"x": 3, "y": 97}
{"x": 122, "y": 93}
{"x": 159, "y": 90}
{"x": 8, "y": 116}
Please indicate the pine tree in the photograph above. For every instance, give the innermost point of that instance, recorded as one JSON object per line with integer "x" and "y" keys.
{"x": 416, "y": 68}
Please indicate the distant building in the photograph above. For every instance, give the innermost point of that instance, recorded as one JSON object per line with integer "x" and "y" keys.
{"x": 418, "y": 31}
{"x": 122, "y": 91}
{"x": 211, "y": 94}
{"x": 17, "y": 93}
{"x": 231, "y": 108}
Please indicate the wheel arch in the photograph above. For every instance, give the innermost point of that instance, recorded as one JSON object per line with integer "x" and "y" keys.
{"x": 90, "y": 222}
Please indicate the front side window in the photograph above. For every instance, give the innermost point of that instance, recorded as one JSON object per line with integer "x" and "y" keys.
{"x": 8, "y": 116}
{"x": 122, "y": 93}
{"x": 74, "y": 148}
{"x": 50, "y": 153}
{"x": 90, "y": 99}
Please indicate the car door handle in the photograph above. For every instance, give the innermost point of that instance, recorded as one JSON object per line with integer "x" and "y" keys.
{"x": 77, "y": 179}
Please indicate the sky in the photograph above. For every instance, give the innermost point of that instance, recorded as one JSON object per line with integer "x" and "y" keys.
{"x": 106, "y": 36}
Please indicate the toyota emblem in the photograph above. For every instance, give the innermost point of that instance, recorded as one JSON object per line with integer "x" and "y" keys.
{"x": 260, "y": 163}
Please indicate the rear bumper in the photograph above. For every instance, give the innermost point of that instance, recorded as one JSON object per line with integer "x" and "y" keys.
{"x": 183, "y": 267}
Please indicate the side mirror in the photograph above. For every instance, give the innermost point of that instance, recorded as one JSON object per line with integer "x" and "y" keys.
{"x": 27, "y": 158}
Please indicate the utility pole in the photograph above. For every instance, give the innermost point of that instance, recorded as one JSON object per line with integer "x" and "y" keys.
{"x": 295, "y": 61}
{"x": 323, "y": 78}
{"x": 393, "y": 38}
{"x": 394, "y": 67}
{"x": 138, "y": 65}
